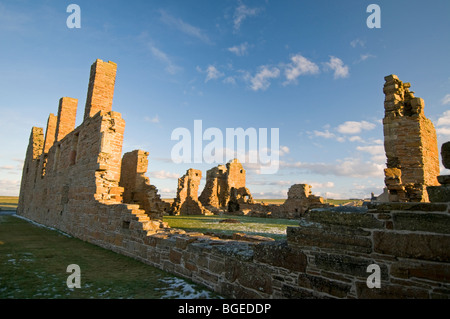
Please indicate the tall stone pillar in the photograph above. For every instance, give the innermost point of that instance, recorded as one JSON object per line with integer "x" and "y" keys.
{"x": 410, "y": 143}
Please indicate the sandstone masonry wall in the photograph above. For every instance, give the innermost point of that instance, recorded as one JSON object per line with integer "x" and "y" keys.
{"x": 410, "y": 144}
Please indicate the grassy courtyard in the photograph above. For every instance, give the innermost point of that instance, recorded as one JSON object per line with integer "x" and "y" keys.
{"x": 34, "y": 260}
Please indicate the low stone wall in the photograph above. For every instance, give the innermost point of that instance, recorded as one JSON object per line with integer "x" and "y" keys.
{"x": 325, "y": 257}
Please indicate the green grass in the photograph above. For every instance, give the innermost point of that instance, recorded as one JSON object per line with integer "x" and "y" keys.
{"x": 34, "y": 260}
{"x": 269, "y": 227}
{"x": 8, "y": 202}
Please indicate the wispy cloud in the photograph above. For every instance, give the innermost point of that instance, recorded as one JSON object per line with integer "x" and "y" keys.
{"x": 353, "y": 127}
{"x": 240, "y": 50}
{"x": 350, "y": 167}
{"x": 241, "y": 13}
{"x": 184, "y": 27}
{"x": 358, "y": 42}
{"x": 261, "y": 80}
{"x": 212, "y": 73}
{"x": 299, "y": 66}
{"x": 443, "y": 124}
{"x": 364, "y": 57}
{"x": 163, "y": 57}
{"x": 337, "y": 65}
{"x": 446, "y": 100}
{"x": 154, "y": 119}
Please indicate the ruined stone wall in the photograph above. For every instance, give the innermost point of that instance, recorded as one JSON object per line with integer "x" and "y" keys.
{"x": 225, "y": 184}
{"x": 137, "y": 187}
{"x": 410, "y": 144}
{"x": 187, "y": 202}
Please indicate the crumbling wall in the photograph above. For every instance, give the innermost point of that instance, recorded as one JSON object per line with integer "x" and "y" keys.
{"x": 410, "y": 144}
{"x": 225, "y": 183}
{"x": 442, "y": 193}
{"x": 186, "y": 202}
{"x": 137, "y": 187}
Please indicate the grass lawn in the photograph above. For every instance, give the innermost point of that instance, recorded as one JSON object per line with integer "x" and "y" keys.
{"x": 34, "y": 260}
{"x": 269, "y": 227}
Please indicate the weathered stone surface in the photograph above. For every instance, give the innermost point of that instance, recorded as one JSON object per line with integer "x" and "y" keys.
{"x": 389, "y": 291}
{"x": 421, "y": 221}
{"x": 186, "y": 202}
{"x": 320, "y": 284}
{"x": 411, "y": 245}
{"x": 445, "y": 154}
{"x": 350, "y": 265}
{"x": 361, "y": 220}
{"x": 137, "y": 187}
{"x": 410, "y": 144}
{"x": 225, "y": 187}
{"x": 325, "y": 238}
{"x": 425, "y": 207}
{"x": 249, "y": 275}
{"x": 280, "y": 254}
{"x": 424, "y": 270}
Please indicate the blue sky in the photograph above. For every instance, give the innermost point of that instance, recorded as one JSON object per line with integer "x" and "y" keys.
{"x": 312, "y": 69}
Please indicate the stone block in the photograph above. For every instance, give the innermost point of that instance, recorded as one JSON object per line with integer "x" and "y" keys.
{"x": 320, "y": 284}
{"x": 389, "y": 291}
{"x": 280, "y": 254}
{"x": 349, "y": 265}
{"x": 422, "y": 221}
{"x": 439, "y": 194}
{"x": 413, "y": 245}
{"x": 325, "y": 238}
{"x": 350, "y": 219}
{"x": 437, "y": 272}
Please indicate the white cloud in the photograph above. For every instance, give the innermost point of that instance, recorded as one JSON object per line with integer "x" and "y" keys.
{"x": 241, "y": 13}
{"x": 300, "y": 66}
{"x": 325, "y": 134}
{"x": 364, "y": 57}
{"x": 212, "y": 73}
{"x": 229, "y": 80}
{"x": 240, "y": 50}
{"x": 284, "y": 150}
{"x": 444, "y": 119}
{"x": 350, "y": 167}
{"x": 261, "y": 80}
{"x": 163, "y": 57}
{"x": 352, "y": 127}
{"x": 337, "y": 65}
{"x": 184, "y": 27}
{"x": 446, "y": 100}
{"x": 164, "y": 175}
{"x": 357, "y": 42}
{"x": 372, "y": 149}
{"x": 9, "y": 187}
{"x": 154, "y": 119}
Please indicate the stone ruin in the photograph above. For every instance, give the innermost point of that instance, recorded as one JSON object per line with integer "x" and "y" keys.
{"x": 186, "y": 202}
{"x": 225, "y": 186}
{"x": 442, "y": 193}
{"x": 75, "y": 180}
{"x": 225, "y": 191}
{"x": 77, "y": 170}
{"x": 410, "y": 143}
{"x": 137, "y": 187}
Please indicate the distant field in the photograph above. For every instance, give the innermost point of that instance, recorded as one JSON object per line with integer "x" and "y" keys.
{"x": 8, "y": 202}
